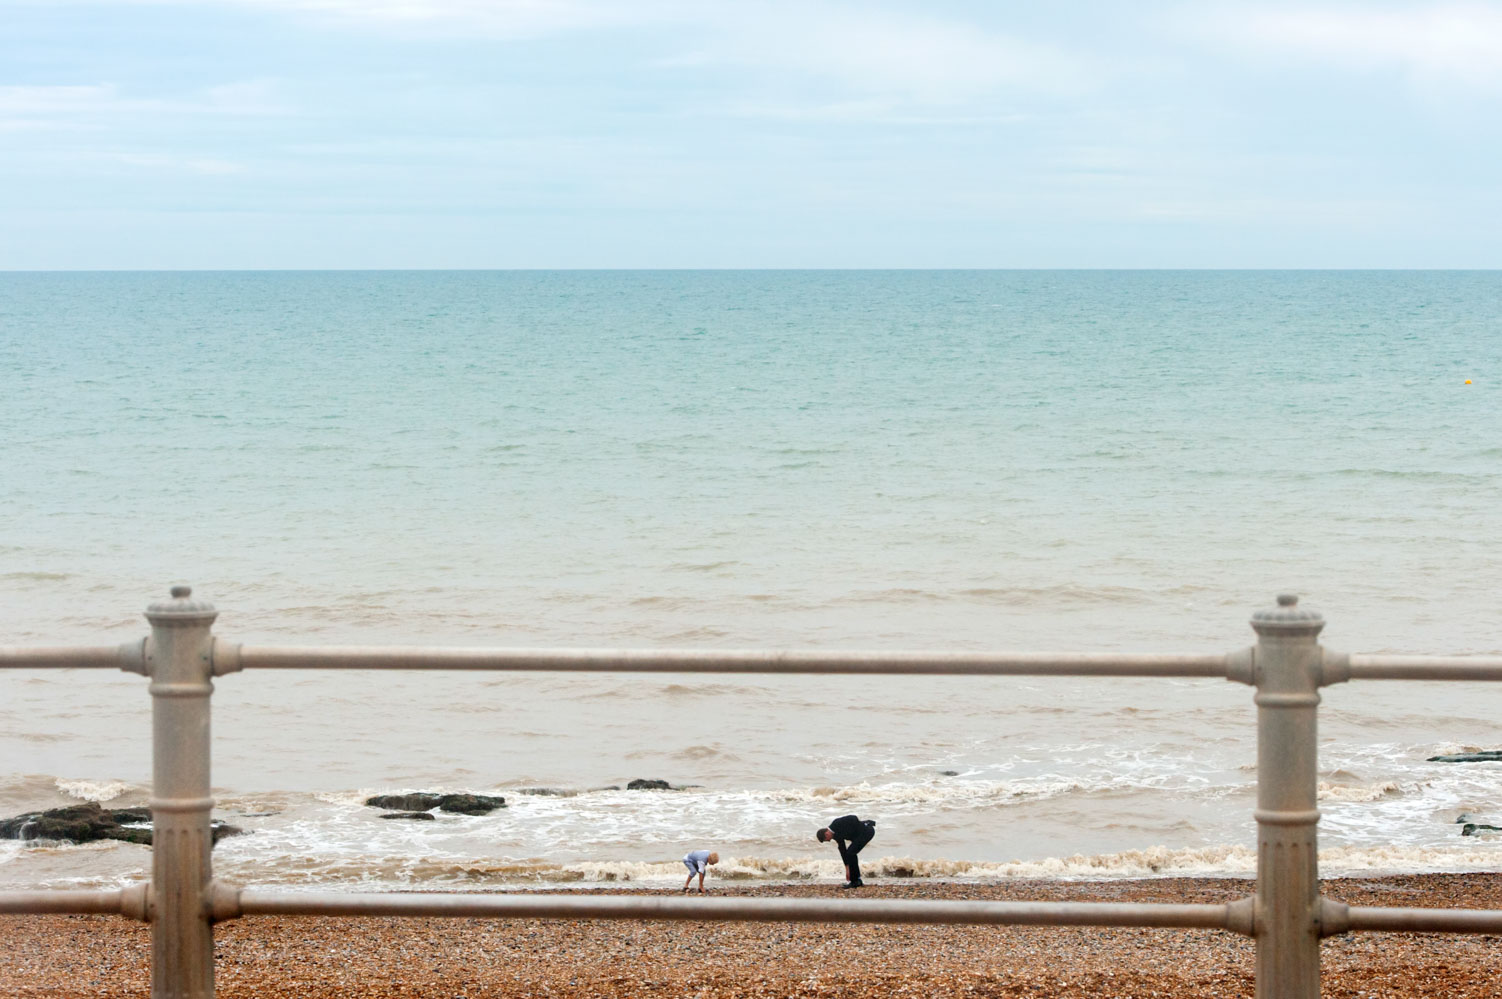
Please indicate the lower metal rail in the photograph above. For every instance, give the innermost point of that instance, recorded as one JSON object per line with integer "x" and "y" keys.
{"x": 230, "y": 902}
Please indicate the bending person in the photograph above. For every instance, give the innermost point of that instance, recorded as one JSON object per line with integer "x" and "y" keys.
{"x": 851, "y": 833}
{"x": 697, "y": 863}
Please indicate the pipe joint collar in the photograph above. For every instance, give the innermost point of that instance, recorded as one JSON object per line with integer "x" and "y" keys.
{"x": 1334, "y": 917}
{"x": 1334, "y": 667}
{"x": 1241, "y": 916}
{"x": 223, "y": 901}
{"x": 226, "y": 657}
{"x": 136, "y": 902}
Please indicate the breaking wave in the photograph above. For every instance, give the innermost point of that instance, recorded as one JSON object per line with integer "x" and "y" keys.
{"x": 1328, "y": 791}
{"x": 96, "y": 790}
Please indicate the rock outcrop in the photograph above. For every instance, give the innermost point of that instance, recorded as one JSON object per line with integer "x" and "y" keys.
{"x": 89, "y": 822}
{"x": 426, "y": 801}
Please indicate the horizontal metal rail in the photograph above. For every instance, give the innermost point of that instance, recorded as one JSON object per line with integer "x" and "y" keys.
{"x": 1368, "y": 667}
{"x": 230, "y": 657}
{"x": 62, "y": 657}
{"x": 230, "y": 902}
{"x": 1369, "y": 918}
{"x": 715, "y": 661}
{"x": 71, "y": 902}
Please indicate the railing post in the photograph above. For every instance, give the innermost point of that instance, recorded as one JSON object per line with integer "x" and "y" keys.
{"x": 1287, "y": 912}
{"x": 180, "y": 663}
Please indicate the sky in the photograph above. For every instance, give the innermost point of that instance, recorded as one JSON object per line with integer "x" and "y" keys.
{"x": 209, "y": 134}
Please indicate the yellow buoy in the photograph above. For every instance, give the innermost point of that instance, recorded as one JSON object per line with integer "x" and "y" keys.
{"x": 1468, "y": 381}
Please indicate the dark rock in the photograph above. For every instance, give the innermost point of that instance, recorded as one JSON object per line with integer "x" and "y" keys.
{"x": 127, "y": 815}
{"x": 219, "y": 830}
{"x": 949, "y": 773}
{"x": 641, "y": 784}
{"x": 88, "y": 822}
{"x": 1485, "y": 756}
{"x": 76, "y": 824}
{"x": 409, "y": 815}
{"x": 419, "y": 801}
{"x": 1476, "y": 828}
{"x": 548, "y": 792}
{"x": 470, "y": 804}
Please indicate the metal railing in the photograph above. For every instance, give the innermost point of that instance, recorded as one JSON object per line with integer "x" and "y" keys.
{"x": 1285, "y": 915}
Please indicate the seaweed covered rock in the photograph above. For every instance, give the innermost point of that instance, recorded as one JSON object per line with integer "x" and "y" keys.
{"x": 418, "y": 801}
{"x": 470, "y": 804}
{"x": 642, "y": 784}
{"x": 89, "y": 822}
{"x": 77, "y": 824}
{"x": 426, "y": 801}
{"x": 1485, "y": 756}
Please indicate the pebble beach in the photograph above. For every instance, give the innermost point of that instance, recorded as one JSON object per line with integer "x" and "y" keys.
{"x": 312, "y": 958}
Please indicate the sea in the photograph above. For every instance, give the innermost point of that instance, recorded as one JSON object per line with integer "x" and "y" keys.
{"x": 1073, "y": 461}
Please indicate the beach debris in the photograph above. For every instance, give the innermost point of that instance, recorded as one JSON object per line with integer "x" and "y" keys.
{"x": 426, "y": 801}
{"x": 1484, "y": 756}
{"x": 88, "y": 822}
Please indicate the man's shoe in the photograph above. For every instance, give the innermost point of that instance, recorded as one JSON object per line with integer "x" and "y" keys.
{"x": 853, "y": 884}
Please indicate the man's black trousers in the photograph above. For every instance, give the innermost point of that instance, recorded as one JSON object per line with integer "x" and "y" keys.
{"x": 848, "y": 853}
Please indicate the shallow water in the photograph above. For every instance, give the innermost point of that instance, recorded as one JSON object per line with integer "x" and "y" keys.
{"x": 1014, "y": 460}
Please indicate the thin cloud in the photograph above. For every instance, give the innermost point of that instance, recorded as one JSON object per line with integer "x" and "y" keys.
{"x": 1447, "y": 45}
{"x": 157, "y": 162}
{"x": 870, "y": 51}
{"x": 490, "y": 18}
{"x": 875, "y": 112}
{"x": 105, "y": 99}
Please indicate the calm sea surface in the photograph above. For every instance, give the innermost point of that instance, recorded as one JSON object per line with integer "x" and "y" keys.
{"x": 1075, "y": 461}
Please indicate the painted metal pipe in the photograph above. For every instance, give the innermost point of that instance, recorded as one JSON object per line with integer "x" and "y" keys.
{"x": 1288, "y": 672}
{"x": 179, "y": 662}
{"x": 1367, "y": 667}
{"x": 1368, "y": 918}
{"x": 716, "y": 661}
{"x": 71, "y": 902}
{"x": 231, "y": 902}
{"x": 64, "y": 657}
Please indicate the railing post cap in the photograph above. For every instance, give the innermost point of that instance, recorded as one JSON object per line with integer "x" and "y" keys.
{"x": 182, "y": 609}
{"x": 1287, "y": 618}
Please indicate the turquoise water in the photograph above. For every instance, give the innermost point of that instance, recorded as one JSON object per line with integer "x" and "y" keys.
{"x": 1059, "y": 460}
{"x": 756, "y": 456}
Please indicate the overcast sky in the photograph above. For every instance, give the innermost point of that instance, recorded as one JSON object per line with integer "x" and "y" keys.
{"x": 638, "y": 133}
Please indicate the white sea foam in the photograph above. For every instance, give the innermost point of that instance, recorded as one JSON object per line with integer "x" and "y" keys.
{"x": 1474, "y": 854}
{"x": 92, "y": 790}
{"x": 1328, "y": 791}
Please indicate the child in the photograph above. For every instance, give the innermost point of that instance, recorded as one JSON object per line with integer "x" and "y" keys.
{"x": 697, "y": 862}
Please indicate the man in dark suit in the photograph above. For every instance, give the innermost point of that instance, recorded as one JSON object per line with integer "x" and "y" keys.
{"x": 851, "y": 833}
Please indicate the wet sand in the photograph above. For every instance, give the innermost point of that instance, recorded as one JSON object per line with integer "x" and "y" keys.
{"x": 274, "y": 957}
